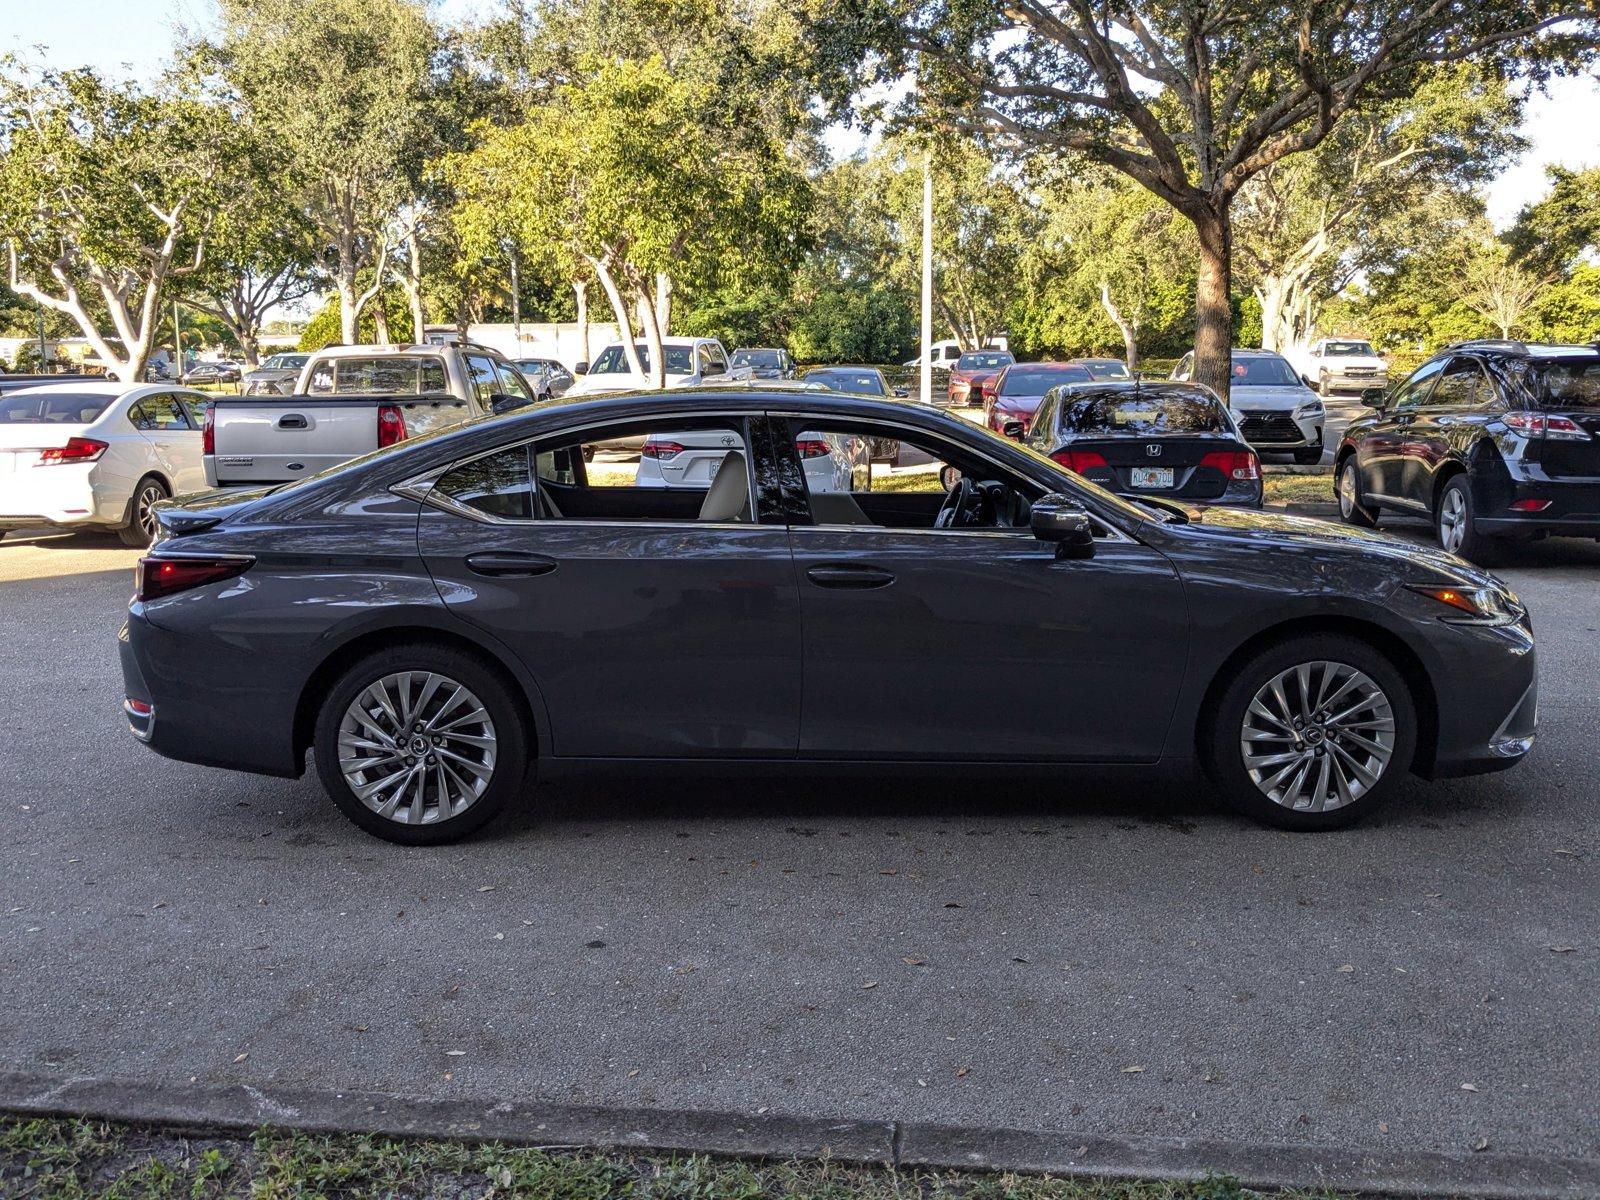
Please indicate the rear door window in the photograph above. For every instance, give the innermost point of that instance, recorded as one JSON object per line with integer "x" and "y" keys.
{"x": 159, "y": 413}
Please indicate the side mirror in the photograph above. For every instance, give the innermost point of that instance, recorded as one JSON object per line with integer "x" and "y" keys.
{"x": 1014, "y": 430}
{"x": 1060, "y": 519}
{"x": 1372, "y": 397}
{"x": 581, "y": 368}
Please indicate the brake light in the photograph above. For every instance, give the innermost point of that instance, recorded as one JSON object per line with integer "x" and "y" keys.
{"x": 1235, "y": 464}
{"x": 391, "y": 425}
{"x": 811, "y": 447}
{"x": 77, "y": 450}
{"x": 661, "y": 451}
{"x": 1542, "y": 425}
{"x": 1080, "y": 460}
{"x": 208, "y": 431}
{"x": 156, "y": 577}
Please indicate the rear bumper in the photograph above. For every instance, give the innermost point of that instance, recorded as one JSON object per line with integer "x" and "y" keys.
{"x": 63, "y": 495}
{"x": 1573, "y": 510}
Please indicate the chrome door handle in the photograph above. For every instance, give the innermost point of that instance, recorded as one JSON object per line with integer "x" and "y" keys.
{"x": 841, "y": 576}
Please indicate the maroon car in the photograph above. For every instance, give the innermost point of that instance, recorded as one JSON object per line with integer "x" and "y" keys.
{"x": 973, "y": 372}
{"x": 1017, "y": 390}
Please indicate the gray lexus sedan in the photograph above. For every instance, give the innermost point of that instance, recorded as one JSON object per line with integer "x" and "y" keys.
{"x": 441, "y": 620}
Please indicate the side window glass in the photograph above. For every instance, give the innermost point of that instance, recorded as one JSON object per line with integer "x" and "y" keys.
{"x": 1412, "y": 391}
{"x": 498, "y": 484}
{"x": 697, "y": 470}
{"x": 511, "y": 383}
{"x": 431, "y": 377}
{"x": 140, "y": 416}
{"x": 1461, "y": 386}
{"x": 485, "y": 381}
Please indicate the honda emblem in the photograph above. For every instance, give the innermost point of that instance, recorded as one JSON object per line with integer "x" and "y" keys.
{"x": 1153, "y": 450}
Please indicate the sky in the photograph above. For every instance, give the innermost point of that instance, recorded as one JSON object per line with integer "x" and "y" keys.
{"x": 132, "y": 37}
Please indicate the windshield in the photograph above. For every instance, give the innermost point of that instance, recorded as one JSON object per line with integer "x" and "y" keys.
{"x": 867, "y": 383}
{"x": 1264, "y": 371}
{"x": 1036, "y": 381}
{"x": 757, "y": 358}
{"x": 1107, "y": 368}
{"x": 613, "y": 361}
{"x": 1144, "y": 413}
{"x": 1345, "y": 349}
{"x": 53, "y": 408}
{"x": 381, "y": 375}
{"x": 1573, "y": 384}
{"x": 285, "y": 362}
{"x": 987, "y": 360}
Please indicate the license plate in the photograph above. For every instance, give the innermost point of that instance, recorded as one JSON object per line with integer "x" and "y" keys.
{"x": 1152, "y": 477}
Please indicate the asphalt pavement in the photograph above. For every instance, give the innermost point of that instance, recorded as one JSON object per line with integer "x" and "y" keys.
{"x": 1118, "y": 960}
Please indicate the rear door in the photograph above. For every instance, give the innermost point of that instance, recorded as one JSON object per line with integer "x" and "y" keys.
{"x": 165, "y": 424}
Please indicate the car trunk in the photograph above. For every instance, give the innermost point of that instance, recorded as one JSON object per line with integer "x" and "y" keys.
{"x": 1170, "y": 465}
{"x": 1562, "y": 458}
{"x": 21, "y": 442}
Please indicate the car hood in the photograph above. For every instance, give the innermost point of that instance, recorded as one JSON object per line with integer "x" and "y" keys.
{"x": 1254, "y": 399}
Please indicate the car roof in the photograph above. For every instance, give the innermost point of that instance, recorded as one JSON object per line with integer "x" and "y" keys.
{"x": 843, "y": 367}
{"x": 1076, "y": 364}
{"x": 107, "y": 388}
{"x": 397, "y": 348}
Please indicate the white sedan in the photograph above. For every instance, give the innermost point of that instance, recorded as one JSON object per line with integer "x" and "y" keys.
{"x": 98, "y": 455}
{"x": 833, "y": 462}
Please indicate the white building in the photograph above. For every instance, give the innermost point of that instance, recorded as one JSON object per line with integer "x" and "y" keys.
{"x": 560, "y": 340}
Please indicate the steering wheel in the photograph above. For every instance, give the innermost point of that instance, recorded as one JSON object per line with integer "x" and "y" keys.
{"x": 957, "y": 504}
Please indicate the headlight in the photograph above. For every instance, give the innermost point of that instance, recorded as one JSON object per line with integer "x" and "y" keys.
{"x": 1311, "y": 409}
{"x": 1472, "y": 606}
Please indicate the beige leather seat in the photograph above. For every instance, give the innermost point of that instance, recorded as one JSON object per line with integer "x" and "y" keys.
{"x": 728, "y": 498}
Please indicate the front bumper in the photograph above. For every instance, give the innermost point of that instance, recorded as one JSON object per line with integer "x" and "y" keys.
{"x": 1276, "y": 429}
{"x": 1341, "y": 381}
{"x": 1487, "y": 697}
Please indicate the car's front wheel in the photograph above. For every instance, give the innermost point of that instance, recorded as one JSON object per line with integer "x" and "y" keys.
{"x": 1348, "y": 486}
{"x": 421, "y": 744}
{"x": 1312, "y": 733}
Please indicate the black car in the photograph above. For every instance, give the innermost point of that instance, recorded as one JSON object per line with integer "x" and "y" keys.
{"x": 1171, "y": 441}
{"x": 765, "y": 362}
{"x": 440, "y": 620}
{"x": 1492, "y": 441}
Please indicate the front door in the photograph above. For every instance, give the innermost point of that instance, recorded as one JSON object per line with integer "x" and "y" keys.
{"x": 1384, "y": 454}
{"x": 975, "y": 641}
{"x": 658, "y": 621}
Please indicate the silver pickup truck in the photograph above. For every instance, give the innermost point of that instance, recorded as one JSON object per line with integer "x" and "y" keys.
{"x": 350, "y": 400}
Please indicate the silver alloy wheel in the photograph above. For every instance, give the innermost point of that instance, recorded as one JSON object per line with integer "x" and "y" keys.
{"x": 1452, "y": 519}
{"x": 416, "y": 747}
{"x": 1347, "y": 489}
{"x": 145, "y": 508}
{"x": 1317, "y": 736}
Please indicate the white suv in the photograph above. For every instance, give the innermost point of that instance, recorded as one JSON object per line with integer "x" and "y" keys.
{"x": 1276, "y": 411}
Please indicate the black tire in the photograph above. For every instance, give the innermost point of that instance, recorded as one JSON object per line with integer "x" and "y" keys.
{"x": 1353, "y": 508}
{"x": 1220, "y": 742}
{"x": 1324, "y": 388}
{"x": 1455, "y": 503}
{"x": 509, "y": 768}
{"x": 1308, "y": 457}
{"x": 137, "y": 529}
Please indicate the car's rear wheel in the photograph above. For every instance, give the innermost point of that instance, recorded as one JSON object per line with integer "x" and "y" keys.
{"x": 1312, "y": 733}
{"x": 140, "y": 527}
{"x": 1453, "y": 523}
{"x": 1348, "y": 486}
{"x": 421, "y": 744}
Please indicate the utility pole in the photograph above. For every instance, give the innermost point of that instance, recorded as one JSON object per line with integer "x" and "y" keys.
{"x": 177, "y": 344}
{"x": 516, "y": 299}
{"x": 44, "y": 353}
{"x": 926, "y": 390}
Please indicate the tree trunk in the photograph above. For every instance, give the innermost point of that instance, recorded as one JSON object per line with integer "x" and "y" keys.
{"x": 663, "y": 302}
{"x": 650, "y": 323}
{"x": 414, "y": 285}
{"x": 581, "y": 291}
{"x": 1213, "y": 308}
{"x": 249, "y": 346}
{"x": 1130, "y": 332}
{"x": 380, "y": 322}
{"x": 349, "y": 314}
{"x": 619, "y": 310}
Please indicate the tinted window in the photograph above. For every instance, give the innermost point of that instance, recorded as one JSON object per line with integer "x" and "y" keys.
{"x": 1462, "y": 385}
{"x": 1568, "y": 384}
{"x": 868, "y": 383}
{"x": 390, "y": 374}
{"x": 1409, "y": 394}
{"x": 1263, "y": 372}
{"x": 1035, "y": 381}
{"x": 1144, "y": 413}
{"x": 984, "y": 360}
{"x": 55, "y": 409}
{"x": 498, "y": 484}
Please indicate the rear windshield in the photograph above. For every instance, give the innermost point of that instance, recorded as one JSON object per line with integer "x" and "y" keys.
{"x": 984, "y": 361}
{"x": 1143, "y": 414}
{"x": 1568, "y": 384}
{"x": 389, "y": 374}
{"x": 1036, "y": 381}
{"x": 756, "y": 358}
{"x": 56, "y": 408}
{"x": 1262, "y": 372}
{"x": 865, "y": 382}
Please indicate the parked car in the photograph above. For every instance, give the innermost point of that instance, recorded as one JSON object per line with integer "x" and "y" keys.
{"x": 1342, "y": 364}
{"x": 350, "y": 400}
{"x": 1105, "y": 368}
{"x": 973, "y": 371}
{"x": 210, "y": 372}
{"x": 765, "y": 363}
{"x": 1492, "y": 441}
{"x": 97, "y": 455}
{"x": 1024, "y": 622}
{"x": 1015, "y": 394}
{"x": 862, "y": 381}
{"x": 695, "y": 459}
{"x": 1277, "y": 412}
{"x": 688, "y": 362}
{"x": 941, "y": 355}
{"x": 1173, "y": 441}
{"x": 276, "y": 376}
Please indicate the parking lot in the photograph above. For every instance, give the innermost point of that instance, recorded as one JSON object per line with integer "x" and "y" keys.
{"x": 1108, "y": 959}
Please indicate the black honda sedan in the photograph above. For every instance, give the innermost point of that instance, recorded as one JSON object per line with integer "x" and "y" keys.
{"x": 1171, "y": 441}
{"x": 440, "y": 620}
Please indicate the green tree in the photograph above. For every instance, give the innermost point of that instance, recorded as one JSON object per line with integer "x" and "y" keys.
{"x": 106, "y": 196}
{"x": 1555, "y": 232}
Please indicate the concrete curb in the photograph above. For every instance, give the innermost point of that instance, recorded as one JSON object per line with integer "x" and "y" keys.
{"x": 246, "y": 1107}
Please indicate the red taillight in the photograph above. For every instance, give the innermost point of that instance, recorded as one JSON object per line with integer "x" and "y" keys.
{"x": 1235, "y": 464}
{"x": 661, "y": 451}
{"x": 1541, "y": 425}
{"x": 77, "y": 450}
{"x": 156, "y": 577}
{"x": 1080, "y": 460}
{"x": 139, "y": 708}
{"x": 208, "y": 431}
{"x": 811, "y": 447}
{"x": 1529, "y": 505}
{"x": 391, "y": 425}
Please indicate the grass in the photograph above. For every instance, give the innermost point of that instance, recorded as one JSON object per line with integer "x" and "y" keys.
{"x": 1285, "y": 488}
{"x": 44, "y": 1159}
